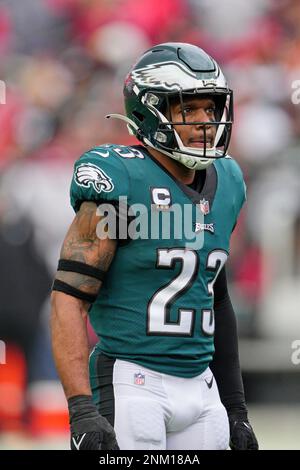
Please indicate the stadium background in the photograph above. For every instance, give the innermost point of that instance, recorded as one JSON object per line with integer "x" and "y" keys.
{"x": 63, "y": 63}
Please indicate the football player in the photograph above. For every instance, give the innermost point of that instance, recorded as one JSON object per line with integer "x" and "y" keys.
{"x": 165, "y": 373}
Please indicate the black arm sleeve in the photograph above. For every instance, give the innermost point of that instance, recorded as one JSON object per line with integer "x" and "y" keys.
{"x": 225, "y": 365}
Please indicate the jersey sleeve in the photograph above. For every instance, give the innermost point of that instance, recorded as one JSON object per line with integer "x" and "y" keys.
{"x": 98, "y": 176}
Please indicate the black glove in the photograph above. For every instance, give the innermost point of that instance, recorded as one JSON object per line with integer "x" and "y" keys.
{"x": 242, "y": 436}
{"x": 89, "y": 430}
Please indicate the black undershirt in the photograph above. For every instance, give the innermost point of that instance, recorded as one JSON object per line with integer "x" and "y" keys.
{"x": 225, "y": 364}
{"x": 199, "y": 181}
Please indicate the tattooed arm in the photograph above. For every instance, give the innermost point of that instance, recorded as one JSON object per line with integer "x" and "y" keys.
{"x": 69, "y": 314}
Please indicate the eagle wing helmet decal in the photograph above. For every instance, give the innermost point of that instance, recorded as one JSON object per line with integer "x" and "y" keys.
{"x": 167, "y": 75}
{"x": 88, "y": 174}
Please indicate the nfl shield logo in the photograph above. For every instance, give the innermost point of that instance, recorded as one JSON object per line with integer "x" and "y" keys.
{"x": 139, "y": 379}
{"x": 204, "y": 206}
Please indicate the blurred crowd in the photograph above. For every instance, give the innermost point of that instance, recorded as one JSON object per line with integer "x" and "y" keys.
{"x": 62, "y": 66}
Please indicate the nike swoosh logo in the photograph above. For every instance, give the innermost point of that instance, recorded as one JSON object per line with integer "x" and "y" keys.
{"x": 102, "y": 154}
{"x": 209, "y": 383}
{"x": 77, "y": 444}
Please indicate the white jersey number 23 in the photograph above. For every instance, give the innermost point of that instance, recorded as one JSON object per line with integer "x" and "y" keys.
{"x": 158, "y": 315}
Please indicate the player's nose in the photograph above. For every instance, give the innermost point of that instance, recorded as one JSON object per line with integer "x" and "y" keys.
{"x": 202, "y": 117}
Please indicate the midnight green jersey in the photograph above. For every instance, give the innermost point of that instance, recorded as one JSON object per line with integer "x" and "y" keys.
{"x": 155, "y": 307}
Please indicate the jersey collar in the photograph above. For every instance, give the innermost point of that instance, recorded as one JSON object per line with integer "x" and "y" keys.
{"x": 208, "y": 190}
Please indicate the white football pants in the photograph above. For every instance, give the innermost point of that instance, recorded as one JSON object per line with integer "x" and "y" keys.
{"x": 155, "y": 411}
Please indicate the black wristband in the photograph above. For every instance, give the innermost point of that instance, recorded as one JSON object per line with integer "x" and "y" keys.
{"x": 79, "y": 400}
{"x": 78, "y": 403}
{"x": 238, "y": 414}
{"x": 83, "y": 414}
